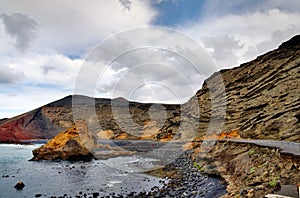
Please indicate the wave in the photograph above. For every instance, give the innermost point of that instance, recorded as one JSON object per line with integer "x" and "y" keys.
{"x": 20, "y": 145}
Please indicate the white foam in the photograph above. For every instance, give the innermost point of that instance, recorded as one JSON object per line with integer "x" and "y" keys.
{"x": 20, "y": 145}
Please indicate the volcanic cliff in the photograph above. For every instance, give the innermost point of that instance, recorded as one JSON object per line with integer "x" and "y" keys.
{"x": 260, "y": 99}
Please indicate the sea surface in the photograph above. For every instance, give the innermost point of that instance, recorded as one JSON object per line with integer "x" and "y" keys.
{"x": 48, "y": 178}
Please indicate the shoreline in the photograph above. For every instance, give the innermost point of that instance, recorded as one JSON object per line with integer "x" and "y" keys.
{"x": 25, "y": 142}
{"x": 228, "y": 169}
{"x": 186, "y": 180}
{"x": 178, "y": 179}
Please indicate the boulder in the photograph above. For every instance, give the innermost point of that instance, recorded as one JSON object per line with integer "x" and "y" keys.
{"x": 19, "y": 185}
{"x": 74, "y": 144}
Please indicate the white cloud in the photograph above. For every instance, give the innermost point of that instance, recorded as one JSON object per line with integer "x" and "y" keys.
{"x": 9, "y": 76}
{"x": 292, "y": 6}
{"x": 276, "y": 38}
{"x": 224, "y": 55}
{"x": 218, "y": 9}
{"x": 133, "y": 60}
{"x": 60, "y": 70}
{"x": 257, "y": 32}
{"x": 21, "y": 28}
{"x": 126, "y": 4}
{"x": 15, "y": 100}
{"x": 70, "y": 26}
{"x": 48, "y": 34}
{"x": 25, "y": 86}
{"x": 7, "y": 46}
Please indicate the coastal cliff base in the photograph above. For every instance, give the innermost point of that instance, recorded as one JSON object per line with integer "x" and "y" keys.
{"x": 249, "y": 170}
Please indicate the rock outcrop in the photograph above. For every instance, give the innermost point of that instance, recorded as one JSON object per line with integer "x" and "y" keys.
{"x": 261, "y": 98}
{"x": 19, "y": 185}
{"x": 74, "y": 144}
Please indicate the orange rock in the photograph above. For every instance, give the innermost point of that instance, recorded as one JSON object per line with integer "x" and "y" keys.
{"x": 165, "y": 139}
{"x": 122, "y": 136}
{"x": 231, "y": 134}
{"x": 72, "y": 144}
{"x": 147, "y": 122}
{"x": 223, "y": 135}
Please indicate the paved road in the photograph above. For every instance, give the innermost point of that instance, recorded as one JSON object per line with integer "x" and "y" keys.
{"x": 291, "y": 148}
{"x": 141, "y": 146}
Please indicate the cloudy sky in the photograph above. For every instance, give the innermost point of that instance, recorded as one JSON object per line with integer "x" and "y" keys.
{"x": 46, "y": 46}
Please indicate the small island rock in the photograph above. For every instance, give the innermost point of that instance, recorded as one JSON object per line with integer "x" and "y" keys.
{"x": 19, "y": 185}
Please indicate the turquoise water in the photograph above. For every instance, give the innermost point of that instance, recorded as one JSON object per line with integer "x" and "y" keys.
{"x": 59, "y": 178}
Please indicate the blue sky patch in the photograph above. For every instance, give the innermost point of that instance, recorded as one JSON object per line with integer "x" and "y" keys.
{"x": 173, "y": 13}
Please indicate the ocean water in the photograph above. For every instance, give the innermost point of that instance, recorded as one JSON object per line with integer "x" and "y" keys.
{"x": 116, "y": 175}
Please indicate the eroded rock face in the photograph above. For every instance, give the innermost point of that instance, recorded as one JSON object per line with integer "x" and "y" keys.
{"x": 262, "y": 97}
{"x": 74, "y": 144}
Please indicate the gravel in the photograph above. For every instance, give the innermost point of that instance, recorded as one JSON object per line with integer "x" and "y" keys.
{"x": 190, "y": 182}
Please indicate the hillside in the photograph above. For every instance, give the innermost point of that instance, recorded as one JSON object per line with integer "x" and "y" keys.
{"x": 47, "y": 121}
{"x": 261, "y": 97}
{"x": 261, "y": 100}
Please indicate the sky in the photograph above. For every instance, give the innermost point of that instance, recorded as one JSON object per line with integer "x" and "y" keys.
{"x": 48, "y": 49}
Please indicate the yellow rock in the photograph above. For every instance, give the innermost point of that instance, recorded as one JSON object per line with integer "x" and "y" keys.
{"x": 105, "y": 134}
{"x": 72, "y": 144}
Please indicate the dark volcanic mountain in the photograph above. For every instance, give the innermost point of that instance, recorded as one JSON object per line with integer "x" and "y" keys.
{"x": 261, "y": 99}
{"x": 47, "y": 121}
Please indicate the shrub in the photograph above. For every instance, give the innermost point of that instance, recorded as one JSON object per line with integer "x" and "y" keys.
{"x": 252, "y": 170}
{"x": 251, "y": 152}
{"x": 273, "y": 182}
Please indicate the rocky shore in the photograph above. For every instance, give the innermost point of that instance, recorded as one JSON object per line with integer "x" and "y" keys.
{"x": 181, "y": 178}
{"x": 186, "y": 180}
{"x": 225, "y": 169}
